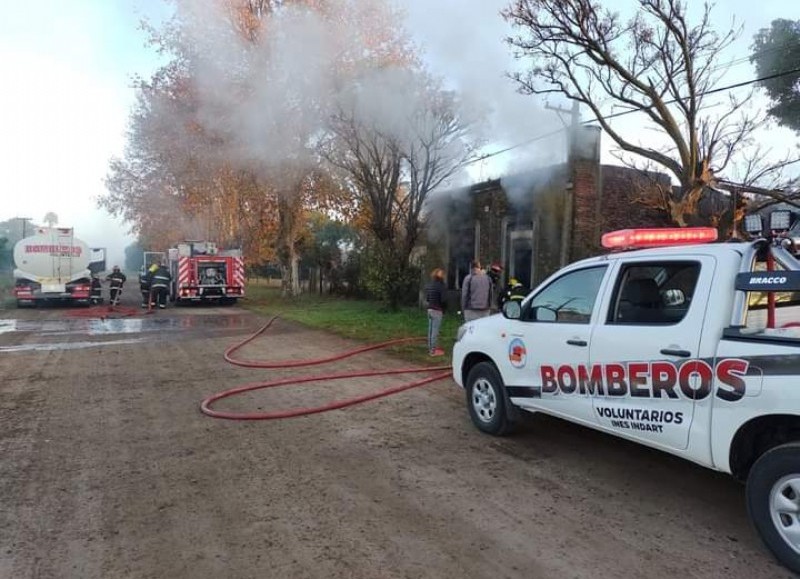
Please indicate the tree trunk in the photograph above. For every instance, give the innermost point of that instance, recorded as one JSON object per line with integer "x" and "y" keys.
{"x": 287, "y": 252}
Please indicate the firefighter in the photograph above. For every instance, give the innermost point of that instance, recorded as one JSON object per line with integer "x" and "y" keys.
{"x": 495, "y": 273}
{"x": 144, "y": 287}
{"x": 116, "y": 279}
{"x": 97, "y": 290}
{"x": 513, "y": 291}
{"x": 159, "y": 279}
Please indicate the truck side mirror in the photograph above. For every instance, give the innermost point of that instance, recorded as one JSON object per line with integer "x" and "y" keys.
{"x": 512, "y": 309}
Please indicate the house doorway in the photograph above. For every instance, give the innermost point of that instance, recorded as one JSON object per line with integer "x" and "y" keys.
{"x": 520, "y": 256}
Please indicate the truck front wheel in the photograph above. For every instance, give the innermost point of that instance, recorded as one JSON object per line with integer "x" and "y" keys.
{"x": 773, "y": 501}
{"x": 487, "y": 402}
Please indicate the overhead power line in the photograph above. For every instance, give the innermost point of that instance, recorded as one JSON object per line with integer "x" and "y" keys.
{"x": 631, "y": 111}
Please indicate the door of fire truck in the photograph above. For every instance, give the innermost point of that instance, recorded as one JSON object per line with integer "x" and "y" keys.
{"x": 657, "y": 372}
{"x": 550, "y": 340}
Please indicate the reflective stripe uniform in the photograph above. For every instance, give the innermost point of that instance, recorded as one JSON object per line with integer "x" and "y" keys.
{"x": 159, "y": 278}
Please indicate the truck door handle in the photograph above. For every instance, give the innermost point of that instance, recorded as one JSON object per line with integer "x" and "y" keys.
{"x": 679, "y": 353}
{"x": 582, "y": 343}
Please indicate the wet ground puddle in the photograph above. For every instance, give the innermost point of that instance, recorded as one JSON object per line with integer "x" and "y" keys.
{"x": 109, "y": 327}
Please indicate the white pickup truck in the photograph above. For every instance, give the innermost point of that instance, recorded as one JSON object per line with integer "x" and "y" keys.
{"x": 691, "y": 348}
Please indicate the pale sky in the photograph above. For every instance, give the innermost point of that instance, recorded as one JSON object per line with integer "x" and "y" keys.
{"x": 64, "y": 105}
{"x": 66, "y": 94}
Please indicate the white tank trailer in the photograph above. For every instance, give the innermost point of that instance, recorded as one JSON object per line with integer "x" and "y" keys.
{"x": 52, "y": 265}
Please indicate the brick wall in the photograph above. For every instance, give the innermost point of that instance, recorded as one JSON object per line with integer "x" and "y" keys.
{"x": 586, "y": 211}
{"x": 606, "y": 198}
{"x": 621, "y": 187}
{"x": 490, "y": 206}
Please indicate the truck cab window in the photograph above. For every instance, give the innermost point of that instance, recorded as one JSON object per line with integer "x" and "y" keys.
{"x": 569, "y": 299}
{"x": 654, "y": 293}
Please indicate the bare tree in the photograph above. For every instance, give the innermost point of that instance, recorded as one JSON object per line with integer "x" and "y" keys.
{"x": 657, "y": 64}
{"x": 392, "y": 155}
{"x": 760, "y": 184}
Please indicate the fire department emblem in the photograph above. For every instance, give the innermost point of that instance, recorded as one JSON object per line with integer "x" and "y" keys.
{"x": 517, "y": 353}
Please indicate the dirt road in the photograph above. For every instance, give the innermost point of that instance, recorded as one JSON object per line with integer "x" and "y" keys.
{"x": 110, "y": 471}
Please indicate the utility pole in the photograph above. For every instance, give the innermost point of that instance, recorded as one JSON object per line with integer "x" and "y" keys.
{"x": 572, "y": 127}
{"x": 24, "y": 223}
{"x": 569, "y": 202}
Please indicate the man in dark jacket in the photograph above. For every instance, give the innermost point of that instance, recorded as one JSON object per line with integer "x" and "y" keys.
{"x": 159, "y": 279}
{"x": 116, "y": 280}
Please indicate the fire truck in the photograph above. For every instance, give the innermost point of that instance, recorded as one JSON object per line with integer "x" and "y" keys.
{"x": 203, "y": 272}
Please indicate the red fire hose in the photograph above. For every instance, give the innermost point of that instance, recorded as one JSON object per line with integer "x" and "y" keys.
{"x": 205, "y": 407}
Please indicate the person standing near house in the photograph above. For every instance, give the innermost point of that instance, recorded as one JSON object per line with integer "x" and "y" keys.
{"x": 476, "y": 294}
{"x": 435, "y": 292}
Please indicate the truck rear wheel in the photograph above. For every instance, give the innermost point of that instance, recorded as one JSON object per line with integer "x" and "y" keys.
{"x": 487, "y": 402}
{"x": 773, "y": 501}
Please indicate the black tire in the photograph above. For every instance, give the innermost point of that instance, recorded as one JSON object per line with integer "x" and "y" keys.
{"x": 487, "y": 402}
{"x": 770, "y": 476}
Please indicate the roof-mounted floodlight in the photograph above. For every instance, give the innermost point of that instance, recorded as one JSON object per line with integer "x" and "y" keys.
{"x": 780, "y": 220}
{"x": 754, "y": 224}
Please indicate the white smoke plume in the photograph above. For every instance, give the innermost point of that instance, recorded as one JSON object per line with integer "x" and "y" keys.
{"x": 271, "y": 97}
{"x": 463, "y": 41}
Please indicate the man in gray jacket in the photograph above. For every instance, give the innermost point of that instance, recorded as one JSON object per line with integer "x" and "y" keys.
{"x": 476, "y": 293}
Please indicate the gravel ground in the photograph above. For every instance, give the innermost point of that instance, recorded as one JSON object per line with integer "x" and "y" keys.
{"x": 110, "y": 471}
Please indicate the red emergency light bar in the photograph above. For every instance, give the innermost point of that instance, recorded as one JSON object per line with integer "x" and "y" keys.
{"x": 642, "y": 238}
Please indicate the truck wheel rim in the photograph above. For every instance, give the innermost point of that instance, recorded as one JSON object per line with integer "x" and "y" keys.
{"x": 784, "y": 506}
{"x": 484, "y": 401}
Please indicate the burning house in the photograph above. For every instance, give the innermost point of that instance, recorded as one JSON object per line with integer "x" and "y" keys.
{"x": 535, "y": 222}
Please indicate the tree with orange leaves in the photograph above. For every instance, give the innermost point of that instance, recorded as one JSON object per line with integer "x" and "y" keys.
{"x": 223, "y": 137}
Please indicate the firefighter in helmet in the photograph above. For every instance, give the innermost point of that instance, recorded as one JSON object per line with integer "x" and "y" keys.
{"x": 495, "y": 272}
{"x": 97, "y": 290}
{"x": 159, "y": 278}
{"x": 116, "y": 280}
{"x": 144, "y": 287}
{"x": 513, "y": 291}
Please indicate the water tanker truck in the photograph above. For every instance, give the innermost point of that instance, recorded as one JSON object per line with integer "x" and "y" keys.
{"x": 52, "y": 264}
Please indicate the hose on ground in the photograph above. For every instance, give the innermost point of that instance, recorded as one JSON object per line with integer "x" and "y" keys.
{"x": 205, "y": 407}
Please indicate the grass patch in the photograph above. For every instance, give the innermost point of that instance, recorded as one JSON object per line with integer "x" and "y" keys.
{"x": 361, "y": 320}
